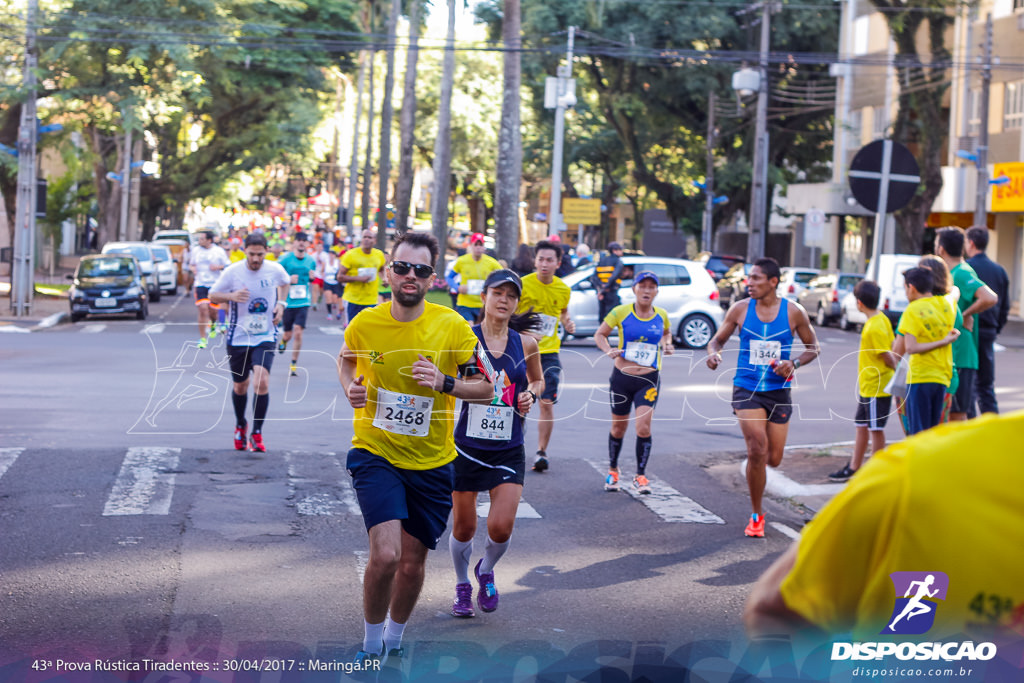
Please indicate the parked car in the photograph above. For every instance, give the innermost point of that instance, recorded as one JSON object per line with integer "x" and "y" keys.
{"x": 718, "y": 264}
{"x": 166, "y": 268}
{"x": 147, "y": 261}
{"x": 794, "y": 280}
{"x": 733, "y": 285}
{"x": 180, "y": 252}
{"x": 849, "y": 315}
{"x": 190, "y": 238}
{"x": 108, "y": 283}
{"x": 821, "y": 299}
{"x": 892, "y": 299}
{"x": 686, "y": 292}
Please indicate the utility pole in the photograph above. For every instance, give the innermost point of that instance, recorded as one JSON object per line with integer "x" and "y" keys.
{"x": 126, "y": 180}
{"x": 709, "y": 174}
{"x": 759, "y": 191}
{"x": 22, "y": 282}
{"x": 353, "y": 169}
{"x": 981, "y": 201}
{"x": 566, "y": 98}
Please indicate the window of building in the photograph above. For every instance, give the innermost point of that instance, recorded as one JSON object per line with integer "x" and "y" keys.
{"x": 973, "y": 113}
{"x": 880, "y": 125}
{"x": 1013, "y": 105}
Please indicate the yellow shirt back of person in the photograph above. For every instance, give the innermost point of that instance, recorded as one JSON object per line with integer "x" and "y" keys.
{"x": 408, "y": 425}
{"x": 355, "y": 260}
{"x": 945, "y": 500}
{"x": 872, "y": 373}
{"x": 548, "y": 300}
{"x": 930, "y": 319}
{"x": 473, "y": 274}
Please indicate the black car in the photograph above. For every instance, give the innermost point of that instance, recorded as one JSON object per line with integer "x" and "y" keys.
{"x": 106, "y": 284}
{"x": 733, "y": 285}
{"x": 718, "y": 264}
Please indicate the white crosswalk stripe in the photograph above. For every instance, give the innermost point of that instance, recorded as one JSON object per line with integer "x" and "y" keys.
{"x": 156, "y": 328}
{"x": 93, "y": 328}
{"x": 7, "y": 458}
{"x": 333, "y": 330}
{"x": 524, "y": 511}
{"x": 145, "y": 484}
{"x": 307, "y": 471}
{"x": 666, "y": 502}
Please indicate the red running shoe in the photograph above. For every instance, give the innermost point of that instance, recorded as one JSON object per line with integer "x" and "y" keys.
{"x": 240, "y": 436}
{"x": 755, "y": 529}
{"x": 256, "y": 443}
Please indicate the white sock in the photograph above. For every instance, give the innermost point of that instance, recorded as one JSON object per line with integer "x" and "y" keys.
{"x": 393, "y": 634}
{"x": 492, "y": 553}
{"x": 461, "y": 552}
{"x": 373, "y": 635}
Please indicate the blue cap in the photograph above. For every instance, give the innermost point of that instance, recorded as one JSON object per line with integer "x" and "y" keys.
{"x": 645, "y": 275}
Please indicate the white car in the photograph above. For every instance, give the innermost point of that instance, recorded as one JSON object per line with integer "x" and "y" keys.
{"x": 849, "y": 316}
{"x": 685, "y": 291}
{"x": 794, "y": 280}
{"x": 166, "y": 268}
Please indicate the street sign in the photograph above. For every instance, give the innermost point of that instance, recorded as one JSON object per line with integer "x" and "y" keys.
{"x": 814, "y": 228}
{"x": 884, "y": 171}
{"x": 581, "y": 211}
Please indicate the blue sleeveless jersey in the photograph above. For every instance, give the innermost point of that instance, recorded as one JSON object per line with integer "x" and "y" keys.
{"x": 510, "y": 371}
{"x": 760, "y": 343}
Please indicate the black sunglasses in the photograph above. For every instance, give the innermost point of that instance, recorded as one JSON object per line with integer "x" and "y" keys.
{"x": 403, "y": 268}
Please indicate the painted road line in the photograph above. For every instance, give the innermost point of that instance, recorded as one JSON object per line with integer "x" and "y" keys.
{"x": 820, "y": 446}
{"x": 666, "y": 502}
{"x": 362, "y": 559}
{"x": 14, "y": 329}
{"x": 524, "y": 511}
{"x": 7, "y": 458}
{"x": 156, "y": 328}
{"x": 335, "y": 330}
{"x": 780, "y": 485}
{"x": 784, "y": 530}
{"x": 145, "y": 484}
{"x": 307, "y": 471}
{"x": 93, "y": 328}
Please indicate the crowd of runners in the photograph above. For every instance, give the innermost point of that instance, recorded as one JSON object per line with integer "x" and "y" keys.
{"x": 418, "y": 457}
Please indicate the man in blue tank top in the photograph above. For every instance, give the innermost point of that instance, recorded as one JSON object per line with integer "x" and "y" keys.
{"x": 764, "y": 370}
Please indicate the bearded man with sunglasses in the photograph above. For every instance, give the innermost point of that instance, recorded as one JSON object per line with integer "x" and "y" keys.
{"x": 398, "y": 368}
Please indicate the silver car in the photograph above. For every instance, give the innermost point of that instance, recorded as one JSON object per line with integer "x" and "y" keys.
{"x": 685, "y": 291}
{"x": 795, "y": 280}
{"x": 143, "y": 253}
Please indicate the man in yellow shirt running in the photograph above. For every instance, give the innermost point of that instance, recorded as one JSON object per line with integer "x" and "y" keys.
{"x": 547, "y": 295}
{"x": 360, "y": 272}
{"x": 398, "y": 368}
{"x": 473, "y": 269}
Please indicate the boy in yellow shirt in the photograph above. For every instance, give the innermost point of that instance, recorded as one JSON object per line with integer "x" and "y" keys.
{"x": 875, "y": 364}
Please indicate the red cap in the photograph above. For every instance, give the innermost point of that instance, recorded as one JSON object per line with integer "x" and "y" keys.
{"x": 476, "y": 238}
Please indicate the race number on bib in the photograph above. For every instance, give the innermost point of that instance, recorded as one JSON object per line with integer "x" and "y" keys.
{"x": 493, "y": 423}
{"x": 474, "y": 287}
{"x": 406, "y": 414}
{"x": 641, "y": 354}
{"x": 548, "y": 325}
{"x": 369, "y": 272}
{"x": 764, "y": 352}
{"x": 297, "y": 292}
{"x": 256, "y": 324}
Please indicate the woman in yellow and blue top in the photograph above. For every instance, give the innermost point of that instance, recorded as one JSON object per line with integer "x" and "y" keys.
{"x": 644, "y": 335}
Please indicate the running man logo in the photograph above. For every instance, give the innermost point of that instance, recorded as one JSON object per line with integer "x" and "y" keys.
{"x": 651, "y": 394}
{"x": 916, "y": 593}
{"x": 376, "y": 358}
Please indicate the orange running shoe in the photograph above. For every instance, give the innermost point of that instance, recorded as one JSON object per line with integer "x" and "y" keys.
{"x": 642, "y": 484}
{"x": 755, "y": 529}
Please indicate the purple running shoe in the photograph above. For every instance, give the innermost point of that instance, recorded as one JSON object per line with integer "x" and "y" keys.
{"x": 487, "y": 598}
{"x": 463, "y": 606}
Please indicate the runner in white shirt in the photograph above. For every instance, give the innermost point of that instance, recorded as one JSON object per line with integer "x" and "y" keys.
{"x": 206, "y": 262}
{"x": 256, "y": 291}
{"x": 330, "y": 264}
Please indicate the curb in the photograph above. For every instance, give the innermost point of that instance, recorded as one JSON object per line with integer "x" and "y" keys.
{"x": 52, "y": 320}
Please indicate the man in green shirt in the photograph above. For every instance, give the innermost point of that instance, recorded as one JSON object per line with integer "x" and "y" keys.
{"x": 975, "y": 297}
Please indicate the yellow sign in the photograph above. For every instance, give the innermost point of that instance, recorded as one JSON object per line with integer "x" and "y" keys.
{"x": 1009, "y": 197}
{"x": 581, "y": 211}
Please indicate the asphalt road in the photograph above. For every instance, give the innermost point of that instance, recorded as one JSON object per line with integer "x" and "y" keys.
{"x": 133, "y": 530}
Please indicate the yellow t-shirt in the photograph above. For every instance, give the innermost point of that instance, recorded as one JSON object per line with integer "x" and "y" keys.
{"x": 354, "y": 261}
{"x": 872, "y": 373}
{"x": 930, "y": 319}
{"x": 401, "y": 425}
{"x": 235, "y": 256}
{"x": 548, "y": 300}
{"x": 945, "y": 500}
{"x": 473, "y": 274}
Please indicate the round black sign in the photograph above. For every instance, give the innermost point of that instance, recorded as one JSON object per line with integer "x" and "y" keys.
{"x": 866, "y": 175}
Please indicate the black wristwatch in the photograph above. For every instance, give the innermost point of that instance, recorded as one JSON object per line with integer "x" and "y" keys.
{"x": 796, "y": 364}
{"x": 532, "y": 394}
{"x": 449, "y": 384}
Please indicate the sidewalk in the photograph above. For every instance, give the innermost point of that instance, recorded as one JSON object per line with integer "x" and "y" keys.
{"x": 46, "y": 311}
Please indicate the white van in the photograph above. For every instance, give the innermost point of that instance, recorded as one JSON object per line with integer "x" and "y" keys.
{"x": 893, "y": 298}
